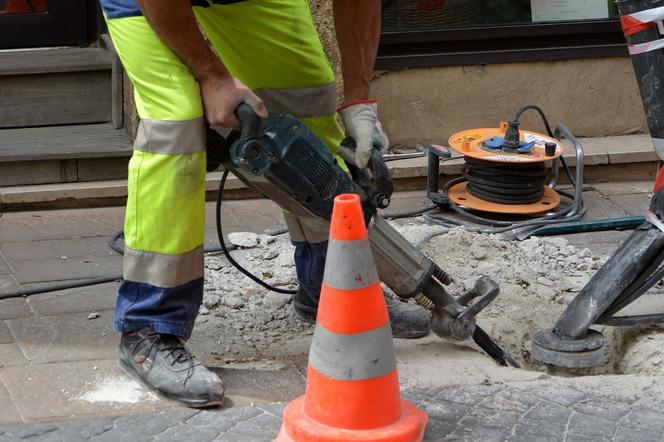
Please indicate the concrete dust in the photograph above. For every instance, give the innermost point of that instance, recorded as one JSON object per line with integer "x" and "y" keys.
{"x": 120, "y": 390}
{"x": 537, "y": 277}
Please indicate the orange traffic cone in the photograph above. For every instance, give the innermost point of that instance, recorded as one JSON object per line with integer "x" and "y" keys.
{"x": 352, "y": 383}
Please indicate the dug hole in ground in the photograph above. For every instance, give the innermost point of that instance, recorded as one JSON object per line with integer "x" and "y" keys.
{"x": 247, "y": 326}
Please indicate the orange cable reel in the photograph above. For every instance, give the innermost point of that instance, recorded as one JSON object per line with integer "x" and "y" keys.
{"x": 472, "y": 144}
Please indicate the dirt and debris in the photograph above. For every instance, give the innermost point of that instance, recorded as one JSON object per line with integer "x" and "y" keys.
{"x": 537, "y": 277}
{"x": 249, "y": 318}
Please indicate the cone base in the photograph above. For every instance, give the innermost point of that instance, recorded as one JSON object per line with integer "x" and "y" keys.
{"x": 298, "y": 427}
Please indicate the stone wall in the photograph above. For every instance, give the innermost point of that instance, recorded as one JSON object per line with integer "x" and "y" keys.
{"x": 593, "y": 97}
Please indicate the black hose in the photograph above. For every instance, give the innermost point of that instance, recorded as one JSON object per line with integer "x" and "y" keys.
{"x": 227, "y": 253}
{"x": 408, "y": 213}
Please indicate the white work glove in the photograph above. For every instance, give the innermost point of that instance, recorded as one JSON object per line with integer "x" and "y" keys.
{"x": 361, "y": 121}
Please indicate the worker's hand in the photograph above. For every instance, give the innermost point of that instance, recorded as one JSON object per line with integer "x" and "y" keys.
{"x": 361, "y": 121}
{"x": 222, "y": 95}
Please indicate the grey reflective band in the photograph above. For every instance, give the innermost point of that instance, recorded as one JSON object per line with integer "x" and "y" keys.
{"x": 353, "y": 357}
{"x": 301, "y": 102}
{"x": 160, "y": 269}
{"x": 351, "y": 265}
{"x": 659, "y": 147}
{"x": 171, "y": 137}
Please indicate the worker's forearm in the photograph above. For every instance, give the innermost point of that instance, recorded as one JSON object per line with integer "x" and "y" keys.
{"x": 176, "y": 26}
{"x": 357, "y": 24}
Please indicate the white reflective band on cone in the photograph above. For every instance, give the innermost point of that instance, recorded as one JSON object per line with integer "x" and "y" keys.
{"x": 353, "y": 357}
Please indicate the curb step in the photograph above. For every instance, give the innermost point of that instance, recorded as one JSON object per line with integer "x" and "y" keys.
{"x": 629, "y": 157}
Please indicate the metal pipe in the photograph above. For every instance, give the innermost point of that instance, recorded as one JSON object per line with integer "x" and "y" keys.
{"x": 626, "y": 264}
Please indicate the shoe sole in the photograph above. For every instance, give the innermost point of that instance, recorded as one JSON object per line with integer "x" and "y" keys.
{"x": 413, "y": 335}
{"x": 304, "y": 316}
{"x": 191, "y": 404}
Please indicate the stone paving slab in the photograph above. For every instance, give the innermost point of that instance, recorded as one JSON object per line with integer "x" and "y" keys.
{"x": 56, "y": 269}
{"x": 85, "y": 247}
{"x": 60, "y": 224}
{"x": 8, "y": 411}
{"x": 84, "y": 388}
{"x": 623, "y": 188}
{"x": 14, "y": 307}
{"x": 634, "y": 204}
{"x": 4, "y": 266}
{"x": 11, "y": 356}
{"x": 6, "y": 336}
{"x": 80, "y": 300}
{"x": 510, "y": 412}
{"x": 65, "y": 338}
{"x": 7, "y": 283}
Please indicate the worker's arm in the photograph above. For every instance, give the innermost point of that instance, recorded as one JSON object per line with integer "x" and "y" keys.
{"x": 174, "y": 22}
{"x": 357, "y": 24}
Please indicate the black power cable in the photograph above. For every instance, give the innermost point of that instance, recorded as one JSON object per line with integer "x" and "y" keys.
{"x": 220, "y": 235}
{"x": 63, "y": 286}
{"x": 505, "y": 183}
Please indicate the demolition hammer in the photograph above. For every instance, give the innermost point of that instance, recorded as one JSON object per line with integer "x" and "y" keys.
{"x": 281, "y": 158}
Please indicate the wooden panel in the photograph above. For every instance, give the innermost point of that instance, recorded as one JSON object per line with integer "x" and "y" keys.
{"x": 54, "y": 60}
{"x": 37, "y": 172}
{"x": 98, "y": 169}
{"x": 63, "y": 142}
{"x": 50, "y": 99}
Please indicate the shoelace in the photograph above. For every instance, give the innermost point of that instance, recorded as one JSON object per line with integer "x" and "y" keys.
{"x": 176, "y": 350}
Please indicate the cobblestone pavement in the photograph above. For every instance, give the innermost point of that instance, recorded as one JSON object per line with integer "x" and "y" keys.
{"x": 575, "y": 410}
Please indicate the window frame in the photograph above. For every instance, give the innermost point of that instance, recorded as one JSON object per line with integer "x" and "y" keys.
{"x": 547, "y": 41}
{"x": 66, "y": 23}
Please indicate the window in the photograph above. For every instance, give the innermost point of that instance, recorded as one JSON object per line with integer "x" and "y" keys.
{"x": 43, "y": 23}
{"x": 446, "y": 32}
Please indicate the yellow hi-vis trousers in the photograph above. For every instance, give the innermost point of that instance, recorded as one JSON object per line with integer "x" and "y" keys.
{"x": 273, "y": 48}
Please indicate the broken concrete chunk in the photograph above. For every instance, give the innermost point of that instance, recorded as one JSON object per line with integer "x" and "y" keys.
{"x": 246, "y": 240}
{"x": 276, "y": 300}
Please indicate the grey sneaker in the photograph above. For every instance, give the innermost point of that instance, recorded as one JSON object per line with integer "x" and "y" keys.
{"x": 305, "y": 305}
{"x": 408, "y": 321}
{"x": 163, "y": 364}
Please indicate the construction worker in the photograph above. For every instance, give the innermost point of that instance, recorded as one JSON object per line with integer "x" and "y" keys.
{"x": 197, "y": 60}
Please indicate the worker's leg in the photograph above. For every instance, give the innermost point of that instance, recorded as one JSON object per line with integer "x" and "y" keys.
{"x": 272, "y": 47}
{"x": 165, "y": 220}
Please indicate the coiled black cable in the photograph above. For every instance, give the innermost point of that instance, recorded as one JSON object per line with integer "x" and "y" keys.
{"x": 505, "y": 183}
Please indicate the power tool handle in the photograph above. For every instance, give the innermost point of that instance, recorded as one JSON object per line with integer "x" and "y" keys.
{"x": 250, "y": 122}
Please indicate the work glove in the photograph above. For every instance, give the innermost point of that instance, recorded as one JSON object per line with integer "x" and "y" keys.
{"x": 361, "y": 121}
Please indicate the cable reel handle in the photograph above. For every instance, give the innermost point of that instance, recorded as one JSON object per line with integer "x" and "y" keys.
{"x": 250, "y": 122}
